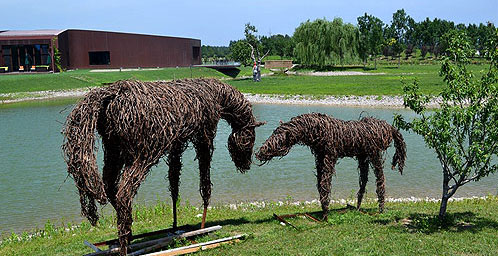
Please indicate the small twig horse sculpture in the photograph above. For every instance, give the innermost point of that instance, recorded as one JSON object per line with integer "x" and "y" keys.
{"x": 330, "y": 139}
{"x": 140, "y": 122}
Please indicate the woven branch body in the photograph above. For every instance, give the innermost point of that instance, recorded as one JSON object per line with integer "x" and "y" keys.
{"x": 330, "y": 139}
{"x": 139, "y": 123}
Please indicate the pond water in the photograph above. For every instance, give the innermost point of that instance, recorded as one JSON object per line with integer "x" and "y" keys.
{"x": 34, "y": 186}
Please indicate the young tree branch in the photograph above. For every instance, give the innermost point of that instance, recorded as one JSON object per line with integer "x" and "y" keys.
{"x": 264, "y": 55}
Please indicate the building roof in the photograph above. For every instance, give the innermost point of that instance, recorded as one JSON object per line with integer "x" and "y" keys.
{"x": 56, "y": 32}
{"x": 38, "y": 32}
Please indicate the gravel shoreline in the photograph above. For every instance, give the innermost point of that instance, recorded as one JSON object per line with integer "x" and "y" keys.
{"x": 42, "y": 95}
{"x": 350, "y": 101}
{"x": 262, "y": 204}
{"x": 371, "y": 101}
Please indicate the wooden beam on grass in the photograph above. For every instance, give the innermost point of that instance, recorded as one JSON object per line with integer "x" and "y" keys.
{"x": 197, "y": 247}
{"x": 311, "y": 217}
{"x": 284, "y": 221}
{"x": 285, "y": 216}
{"x": 164, "y": 241}
{"x": 154, "y": 233}
{"x": 95, "y": 248}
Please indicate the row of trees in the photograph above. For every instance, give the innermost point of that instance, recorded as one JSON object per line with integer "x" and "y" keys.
{"x": 404, "y": 34}
{"x": 240, "y": 50}
{"x": 214, "y": 51}
{"x": 281, "y": 45}
{"x": 322, "y": 43}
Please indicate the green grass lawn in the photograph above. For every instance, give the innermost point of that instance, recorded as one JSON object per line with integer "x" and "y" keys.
{"x": 386, "y": 83}
{"x": 404, "y": 229}
{"x": 337, "y": 85}
{"x": 85, "y": 78}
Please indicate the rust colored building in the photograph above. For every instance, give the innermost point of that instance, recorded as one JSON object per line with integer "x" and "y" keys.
{"x": 86, "y": 49}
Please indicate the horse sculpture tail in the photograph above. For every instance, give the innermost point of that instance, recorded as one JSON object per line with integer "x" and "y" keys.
{"x": 400, "y": 154}
{"x": 79, "y": 151}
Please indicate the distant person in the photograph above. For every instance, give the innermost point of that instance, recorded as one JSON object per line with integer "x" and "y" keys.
{"x": 26, "y": 62}
{"x": 258, "y": 73}
{"x": 49, "y": 60}
{"x": 255, "y": 72}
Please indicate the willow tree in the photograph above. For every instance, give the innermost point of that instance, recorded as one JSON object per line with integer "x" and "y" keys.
{"x": 349, "y": 44}
{"x": 324, "y": 43}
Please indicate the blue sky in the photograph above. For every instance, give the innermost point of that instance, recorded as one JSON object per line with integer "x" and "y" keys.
{"x": 218, "y": 22}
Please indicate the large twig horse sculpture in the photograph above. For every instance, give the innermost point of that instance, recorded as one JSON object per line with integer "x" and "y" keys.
{"x": 139, "y": 123}
{"x": 330, "y": 139}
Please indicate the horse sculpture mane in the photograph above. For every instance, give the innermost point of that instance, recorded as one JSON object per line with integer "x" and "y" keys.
{"x": 329, "y": 139}
{"x": 140, "y": 122}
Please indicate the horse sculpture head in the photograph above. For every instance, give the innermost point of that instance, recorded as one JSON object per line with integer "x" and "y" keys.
{"x": 240, "y": 145}
{"x": 278, "y": 144}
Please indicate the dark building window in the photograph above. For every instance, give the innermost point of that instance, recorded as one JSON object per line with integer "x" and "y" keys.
{"x": 46, "y": 59}
{"x": 7, "y": 56}
{"x": 6, "y": 50}
{"x": 196, "y": 51}
{"x": 99, "y": 58}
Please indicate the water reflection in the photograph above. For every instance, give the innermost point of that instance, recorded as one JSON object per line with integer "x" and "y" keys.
{"x": 32, "y": 171}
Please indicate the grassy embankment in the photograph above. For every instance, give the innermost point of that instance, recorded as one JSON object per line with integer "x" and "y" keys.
{"x": 386, "y": 80}
{"x": 386, "y": 83}
{"x": 404, "y": 229}
{"x": 84, "y": 78}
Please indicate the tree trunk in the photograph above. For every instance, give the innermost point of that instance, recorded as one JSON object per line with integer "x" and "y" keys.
{"x": 375, "y": 61}
{"x": 399, "y": 60}
{"x": 446, "y": 195}
{"x": 442, "y": 207}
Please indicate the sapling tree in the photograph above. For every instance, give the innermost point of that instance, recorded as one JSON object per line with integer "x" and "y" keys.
{"x": 256, "y": 49}
{"x": 464, "y": 130}
{"x": 248, "y": 50}
{"x": 57, "y": 56}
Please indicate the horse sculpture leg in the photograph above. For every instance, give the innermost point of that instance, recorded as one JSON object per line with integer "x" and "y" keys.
{"x": 175, "y": 165}
{"x": 131, "y": 178}
{"x": 324, "y": 170}
{"x": 378, "y": 164}
{"x": 113, "y": 163}
{"x": 204, "y": 153}
{"x": 363, "y": 166}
